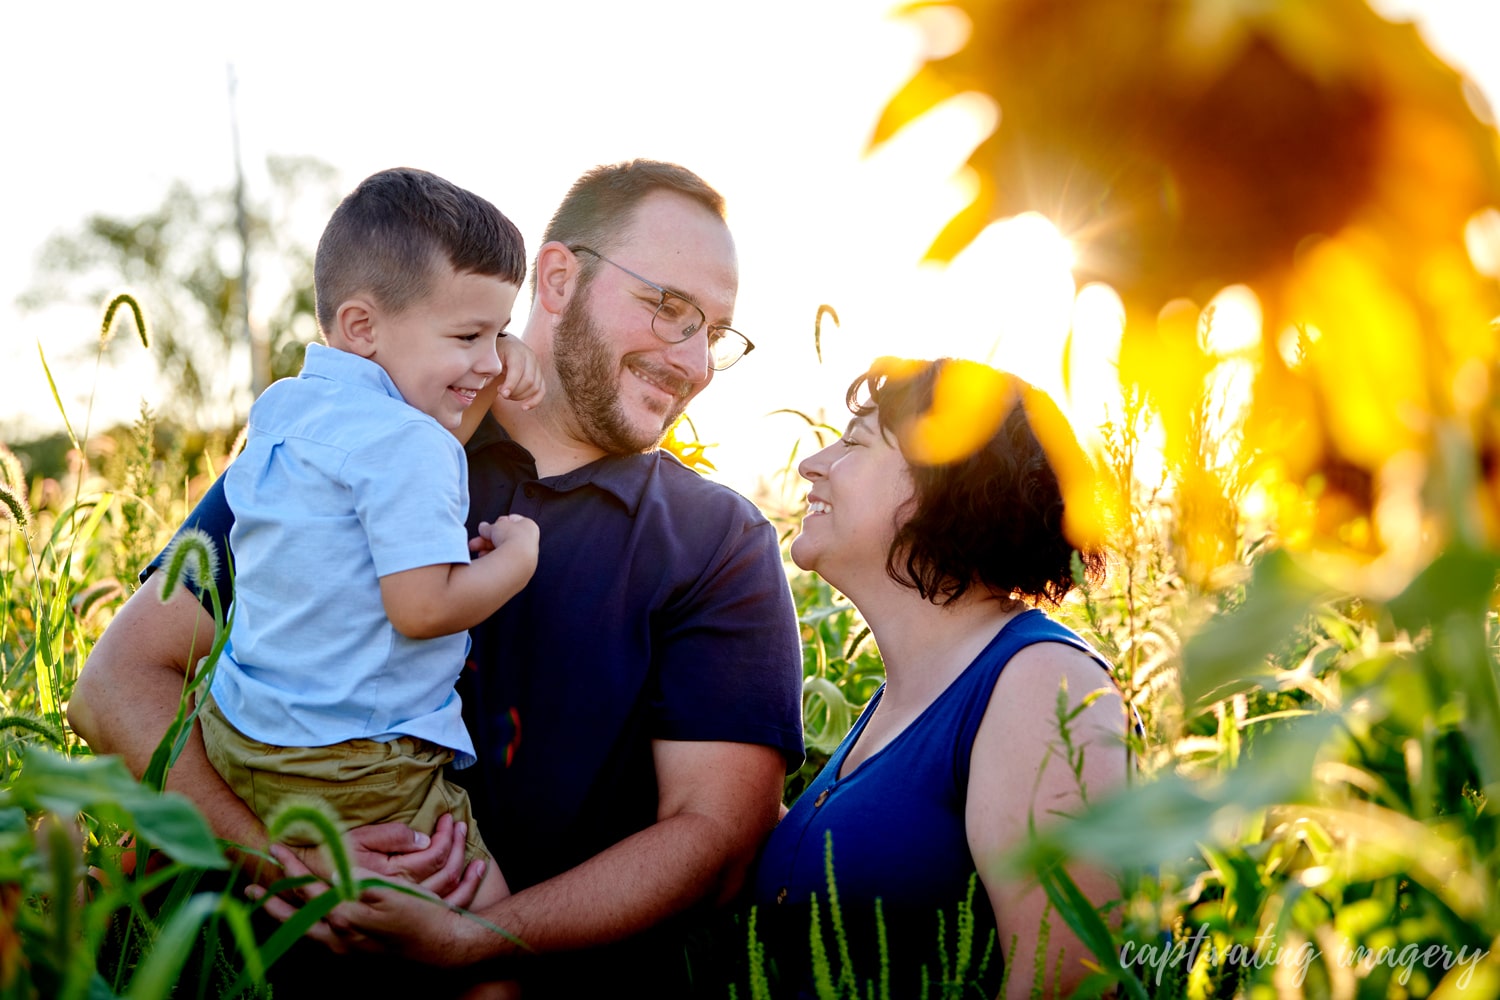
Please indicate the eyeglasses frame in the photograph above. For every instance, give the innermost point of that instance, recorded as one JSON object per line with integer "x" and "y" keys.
{"x": 664, "y": 292}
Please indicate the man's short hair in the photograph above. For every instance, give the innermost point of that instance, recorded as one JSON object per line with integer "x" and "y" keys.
{"x": 391, "y": 234}
{"x": 598, "y": 208}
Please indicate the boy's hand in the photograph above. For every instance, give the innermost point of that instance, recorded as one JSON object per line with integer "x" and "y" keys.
{"x": 520, "y": 376}
{"x": 517, "y": 534}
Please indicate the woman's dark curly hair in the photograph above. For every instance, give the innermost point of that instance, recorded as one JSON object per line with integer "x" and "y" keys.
{"x": 991, "y": 517}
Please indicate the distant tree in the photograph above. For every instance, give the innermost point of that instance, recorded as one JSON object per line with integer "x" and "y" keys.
{"x": 182, "y": 260}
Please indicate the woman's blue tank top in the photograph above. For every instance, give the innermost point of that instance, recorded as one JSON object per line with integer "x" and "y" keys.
{"x": 895, "y": 827}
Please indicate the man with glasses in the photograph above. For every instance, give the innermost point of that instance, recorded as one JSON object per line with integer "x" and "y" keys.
{"x": 636, "y": 706}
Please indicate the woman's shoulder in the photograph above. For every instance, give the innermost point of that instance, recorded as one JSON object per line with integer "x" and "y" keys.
{"x": 1045, "y": 658}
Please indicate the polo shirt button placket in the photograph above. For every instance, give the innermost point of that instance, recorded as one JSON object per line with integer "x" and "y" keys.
{"x": 822, "y": 797}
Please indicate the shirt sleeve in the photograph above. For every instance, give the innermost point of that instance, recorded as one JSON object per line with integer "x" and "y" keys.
{"x": 410, "y": 493}
{"x": 730, "y": 656}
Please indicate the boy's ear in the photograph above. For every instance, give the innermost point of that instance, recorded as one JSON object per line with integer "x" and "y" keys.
{"x": 354, "y": 327}
{"x": 556, "y": 276}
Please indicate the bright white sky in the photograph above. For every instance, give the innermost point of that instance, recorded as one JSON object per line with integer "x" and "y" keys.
{"x": 771, "y": 101}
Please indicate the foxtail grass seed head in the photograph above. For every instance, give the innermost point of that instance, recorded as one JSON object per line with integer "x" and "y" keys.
{"x": 14, "y": 503}
{"x": 312, "y": 821}
{"x": 11, "y": 473}
{"x": 36, "y": 727}
{"x": 106, "y": 328}
{"x": 823, "y": 310}
{"x": 239, "y": 442}
{"x": 192, "y": 556}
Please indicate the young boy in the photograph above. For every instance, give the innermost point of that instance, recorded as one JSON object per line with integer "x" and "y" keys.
{"x": 354, "y": 585}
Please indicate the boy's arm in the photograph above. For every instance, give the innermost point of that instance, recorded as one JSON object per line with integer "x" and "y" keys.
{"x": 430, "y": 601}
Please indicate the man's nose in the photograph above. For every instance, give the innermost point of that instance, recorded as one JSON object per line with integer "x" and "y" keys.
{"x": 690, "y": 357}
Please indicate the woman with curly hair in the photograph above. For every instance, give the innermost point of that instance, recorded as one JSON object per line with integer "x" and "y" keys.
{"x": 948, "y": 548}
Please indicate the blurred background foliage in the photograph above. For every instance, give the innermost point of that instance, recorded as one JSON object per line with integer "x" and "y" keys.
{"x": 1304, "y": 605}
{"x": 186, "y": 262}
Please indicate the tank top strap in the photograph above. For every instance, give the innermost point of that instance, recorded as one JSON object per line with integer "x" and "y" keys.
{"x": 963, "y": 705}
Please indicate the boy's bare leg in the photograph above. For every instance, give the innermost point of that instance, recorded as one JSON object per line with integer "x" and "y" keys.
{"x": 492, "y": 888}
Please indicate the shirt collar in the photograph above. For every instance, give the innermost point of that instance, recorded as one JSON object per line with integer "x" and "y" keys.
{"x": 623, "y": 476}
{"x": 322, "y": 361}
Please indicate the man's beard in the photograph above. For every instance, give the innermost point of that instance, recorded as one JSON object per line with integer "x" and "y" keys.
{"x": 590, "y": 378}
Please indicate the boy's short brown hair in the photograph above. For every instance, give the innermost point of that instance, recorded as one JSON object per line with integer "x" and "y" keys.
{"x": 386, "y": 238}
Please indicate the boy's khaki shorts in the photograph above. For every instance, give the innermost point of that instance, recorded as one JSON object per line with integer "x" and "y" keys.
{"x": 364, "y": 781}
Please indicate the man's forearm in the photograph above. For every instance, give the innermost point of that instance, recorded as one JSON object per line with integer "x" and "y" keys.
{"x": 697, "y": 851}
{"x": 128, "y": 693}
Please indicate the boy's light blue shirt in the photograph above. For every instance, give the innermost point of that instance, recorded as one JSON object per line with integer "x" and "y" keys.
{"x": 340, "y": 483}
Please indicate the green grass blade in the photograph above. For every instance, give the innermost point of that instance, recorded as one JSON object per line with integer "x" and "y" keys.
{"x": 57, "y": 397}
{"x": 157, "y": 976}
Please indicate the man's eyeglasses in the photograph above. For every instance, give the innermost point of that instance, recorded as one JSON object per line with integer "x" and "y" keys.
{"x": 676, "y": 319}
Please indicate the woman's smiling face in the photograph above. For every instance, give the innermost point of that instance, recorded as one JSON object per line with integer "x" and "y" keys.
{"x": 861, "y": 487}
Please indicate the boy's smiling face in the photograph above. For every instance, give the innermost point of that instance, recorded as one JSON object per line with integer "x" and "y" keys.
{"x": 440, "y": 350}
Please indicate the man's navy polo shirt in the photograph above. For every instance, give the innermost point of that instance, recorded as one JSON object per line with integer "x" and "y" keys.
{"x": 659, "y": 610}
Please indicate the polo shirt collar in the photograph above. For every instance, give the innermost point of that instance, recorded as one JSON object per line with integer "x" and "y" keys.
{"x": 322, "y": 361}
{"x": 623, "y": 476}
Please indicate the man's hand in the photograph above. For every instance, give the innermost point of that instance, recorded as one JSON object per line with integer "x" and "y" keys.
{"x": 396, "y": 851}
{"x": 393, "y": 851}
{"x": 416, "y": 924}
{"x": 436, "y": 863}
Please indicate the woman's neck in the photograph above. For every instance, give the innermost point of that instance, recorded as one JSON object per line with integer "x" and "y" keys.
{"x": 925, "y": 646}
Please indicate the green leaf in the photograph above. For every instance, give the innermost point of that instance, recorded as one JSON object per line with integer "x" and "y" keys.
{"x": 1164, "y": 821}
{"x": 1459, "y": 581}
{"x": 102, "y": 787}
{"x": 57, "y": 397}
{"x": 157, "y": 975}
{"x": 1229, "y": 653}
{"x": 1080, "y": 915}
{"x": 826, "y": 714}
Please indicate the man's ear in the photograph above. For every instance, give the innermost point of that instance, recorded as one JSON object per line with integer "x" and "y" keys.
{"x": 354, "y": 327}
{"x": 557, "y": 270}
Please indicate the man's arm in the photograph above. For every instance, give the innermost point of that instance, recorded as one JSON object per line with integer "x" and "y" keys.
{"x": 129, "y": 690}
{"x": 718, "y": 801}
